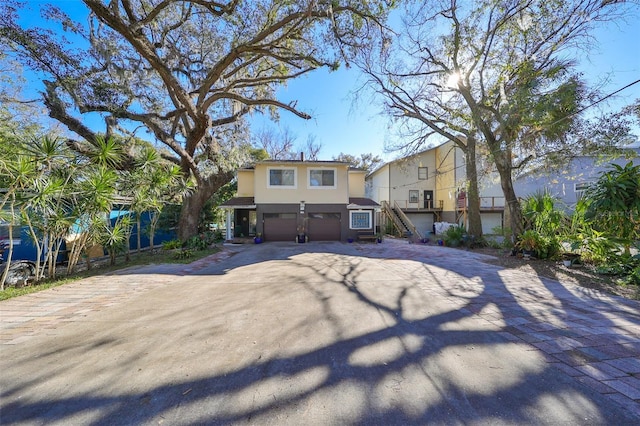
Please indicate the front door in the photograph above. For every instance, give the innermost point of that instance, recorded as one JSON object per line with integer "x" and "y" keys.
{"x": 428, "y": 199}
{"x": 242, "y": 225}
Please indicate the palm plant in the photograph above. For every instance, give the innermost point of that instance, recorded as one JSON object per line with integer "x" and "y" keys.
{"x": 115, "y": 238}
{"x": 613, "y": 204}
{"x": 94, "y": 199}
{"x": 155, "y": 183}
{"x": 545, "y": 220}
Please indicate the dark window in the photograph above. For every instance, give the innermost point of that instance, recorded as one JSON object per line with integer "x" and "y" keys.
{"x": 322, "y": 178}
{"x": 281, "y": 177}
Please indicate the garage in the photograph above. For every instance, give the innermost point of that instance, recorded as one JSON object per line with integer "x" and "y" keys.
{"x": 323, "y": 226}
{"x": 491, "y": 222}
{"x": 280, "y": 226}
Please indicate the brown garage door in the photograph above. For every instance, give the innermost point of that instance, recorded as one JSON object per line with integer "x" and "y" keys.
{"x": 280, "y": 226}
{"x": 323, "y": 226}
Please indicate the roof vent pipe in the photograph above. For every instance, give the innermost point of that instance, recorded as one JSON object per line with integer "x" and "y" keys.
{"x": 302, "y": 156}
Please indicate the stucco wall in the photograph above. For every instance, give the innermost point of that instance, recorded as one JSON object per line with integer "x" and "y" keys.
{"x": 356, "y": 183}
{"x": 245, "y": 183}
{"x": 302, "y": 191}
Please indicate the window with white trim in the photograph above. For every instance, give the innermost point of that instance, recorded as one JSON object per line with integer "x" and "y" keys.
{"x": 423, "y": 173}
{"x": 360, "y": 219}
{"x": 322, "y": 178}
{"x": 281, "y": 177}
{"x": 414, "y": 196}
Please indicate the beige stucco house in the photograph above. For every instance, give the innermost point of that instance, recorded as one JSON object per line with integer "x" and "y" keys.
{"x": 429, "y": 187}
{"x": 281, "y": 199}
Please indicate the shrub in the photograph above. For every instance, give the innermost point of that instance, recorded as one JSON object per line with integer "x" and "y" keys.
{"x": 454, "y": 235}
{"x": 171, "y": 245}
{"x": 541, "y": 214}
{"x": 203, "y": 240}
{"x": 184, "y": 254}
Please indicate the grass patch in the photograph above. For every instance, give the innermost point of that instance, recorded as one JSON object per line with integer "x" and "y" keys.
{"x": 101, "y": 267}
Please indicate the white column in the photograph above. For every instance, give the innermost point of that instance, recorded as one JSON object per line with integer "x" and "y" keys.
{"x": 228, "y": 225}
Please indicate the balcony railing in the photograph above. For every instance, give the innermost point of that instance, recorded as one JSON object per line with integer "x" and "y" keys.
{"x": 422, "y": 205}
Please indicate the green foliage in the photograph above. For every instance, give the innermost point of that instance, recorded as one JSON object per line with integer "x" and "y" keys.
{"x": 202, "y": 241}
{"x": 368, "y": 162}
{"x": 115, "y": 238}
{"x": 454, "y": 236}
{"x": 529, "y": 240}
{"x": 540, "y": 213}
{"x": 185, "y": 253}
{"x": 606, "y": 223}
{"x": 613, "y": 204}
{"x": 548, "y": 247}
{"x": 389, "y": 228}
{"x": 626, "y": 267}
{"x": 171, "y": 245}
{"x": 542, "y": 246}
{"x": 543, "y": 223}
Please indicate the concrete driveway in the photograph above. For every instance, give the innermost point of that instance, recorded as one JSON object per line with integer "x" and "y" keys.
{"x": 321, "y": 333}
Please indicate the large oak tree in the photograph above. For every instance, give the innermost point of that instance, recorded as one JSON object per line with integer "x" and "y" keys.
{"x": 186, "y": 71}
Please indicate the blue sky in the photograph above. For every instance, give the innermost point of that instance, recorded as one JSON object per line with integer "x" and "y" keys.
{"x": 341, "y": 125}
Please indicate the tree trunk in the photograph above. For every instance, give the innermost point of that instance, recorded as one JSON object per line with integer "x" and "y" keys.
{"x": 475, "y": 221}
{"x": 138, "y": 224}
{"x": 193, "y": 203}
{"x": 153, "y": 220}
{"x": 192, "y": 206}
{"x": 516, "y": 221}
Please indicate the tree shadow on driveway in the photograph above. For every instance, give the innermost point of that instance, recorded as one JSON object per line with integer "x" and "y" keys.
{"x": 346, "y": 336}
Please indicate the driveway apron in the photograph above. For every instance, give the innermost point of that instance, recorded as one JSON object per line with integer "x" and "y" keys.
{"x": 321, "y": 333}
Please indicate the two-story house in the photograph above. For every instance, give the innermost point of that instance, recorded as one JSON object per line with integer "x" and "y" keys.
{"x": 281, "y": 199}
{"x": 429, "y": 187}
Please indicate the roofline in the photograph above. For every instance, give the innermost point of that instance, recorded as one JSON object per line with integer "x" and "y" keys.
{"x": 310, "y": 162}
{"x": 412, "y": 155}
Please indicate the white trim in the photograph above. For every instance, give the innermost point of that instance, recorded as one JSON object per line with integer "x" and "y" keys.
{"x": 295, "y": 178}
{"x": 369, "y": 212}
{"x": 335, "y": 177}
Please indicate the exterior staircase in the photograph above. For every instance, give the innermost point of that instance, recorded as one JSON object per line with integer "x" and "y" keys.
{"x": 401, "y": 223}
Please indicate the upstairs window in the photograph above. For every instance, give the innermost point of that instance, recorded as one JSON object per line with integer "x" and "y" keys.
{"x": 282, "y": 178}
{"x": 413, "y": 196}
{"x": 422, "y": 173}
{"x": 322, "y": 178}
